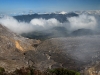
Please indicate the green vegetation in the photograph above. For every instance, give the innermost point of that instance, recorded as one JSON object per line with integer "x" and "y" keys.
{"x": 31, "y": 71}
{"x": 63, "y": 71}
{"x": 2, "y": 70}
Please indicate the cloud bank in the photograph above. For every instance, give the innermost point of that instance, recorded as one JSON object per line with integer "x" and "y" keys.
{"x": 23, "y": 27}
{"x": 45, "y": 23}
{"x": 82, "y": 21}
{"x": 14, "y": 25}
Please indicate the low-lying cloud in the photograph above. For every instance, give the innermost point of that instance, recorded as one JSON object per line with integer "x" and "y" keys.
{"x": 82, "y": 21}
{"x": 14, "y": 25}
{"x": 23, "y": 27}
{"x": 45, "y": 23}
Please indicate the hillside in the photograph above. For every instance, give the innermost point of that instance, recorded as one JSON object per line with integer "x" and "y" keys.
{"x": 76, "y": 53}
{"x": 79, "y": 53}
{"x": 12, "y": 48}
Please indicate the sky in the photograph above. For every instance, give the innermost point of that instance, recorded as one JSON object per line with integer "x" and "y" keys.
{"x": 8, "y": 6}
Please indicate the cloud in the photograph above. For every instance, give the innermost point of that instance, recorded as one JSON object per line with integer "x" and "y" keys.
{"x": 82, "y": 21}
{"x": 45, "y": 23}
{"x": 23, "y": 27}
{"x": 14, "y": 25}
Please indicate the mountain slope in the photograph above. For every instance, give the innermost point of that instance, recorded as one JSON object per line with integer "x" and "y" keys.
{"x": 75, "y": 53}
{"x": 12, "y": 48}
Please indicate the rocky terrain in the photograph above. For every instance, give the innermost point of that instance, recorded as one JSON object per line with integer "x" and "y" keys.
{"x": 12, "y": 48}
{"x": 76, "y": 53}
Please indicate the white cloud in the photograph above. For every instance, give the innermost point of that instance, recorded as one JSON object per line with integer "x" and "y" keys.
{"x": 23, "y": 27}
{"x": 45, "y": 23}
{"x": 14, "y": 25}
{"x": 83, "y": 21}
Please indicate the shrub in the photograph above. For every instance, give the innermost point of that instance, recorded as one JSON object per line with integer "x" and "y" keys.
{"x": 2, "y": 70}
{"x": 63, "y": 71}
{"x": 23, "y": 71}
{"x": 31, "y": 71}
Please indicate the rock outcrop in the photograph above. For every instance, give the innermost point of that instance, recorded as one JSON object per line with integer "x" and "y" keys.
{"x": 93, "y": 70}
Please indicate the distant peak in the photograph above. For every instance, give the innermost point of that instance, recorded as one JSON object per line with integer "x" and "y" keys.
{"x": 63, "y": 12}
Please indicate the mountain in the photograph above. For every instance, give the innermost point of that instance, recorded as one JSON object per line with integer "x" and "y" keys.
{"x": 79, "y": 53}
{"x": 81, "y": 32}
{"x": 63, "y": 12}
{"x": 47, "y": 34}
{"x": 75, "y": 53}
{"x": 12, "y": 48}
{"x": 59, "y": 17}
{"x": 56, "y": 32}
{"x": 91, "y": 12}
